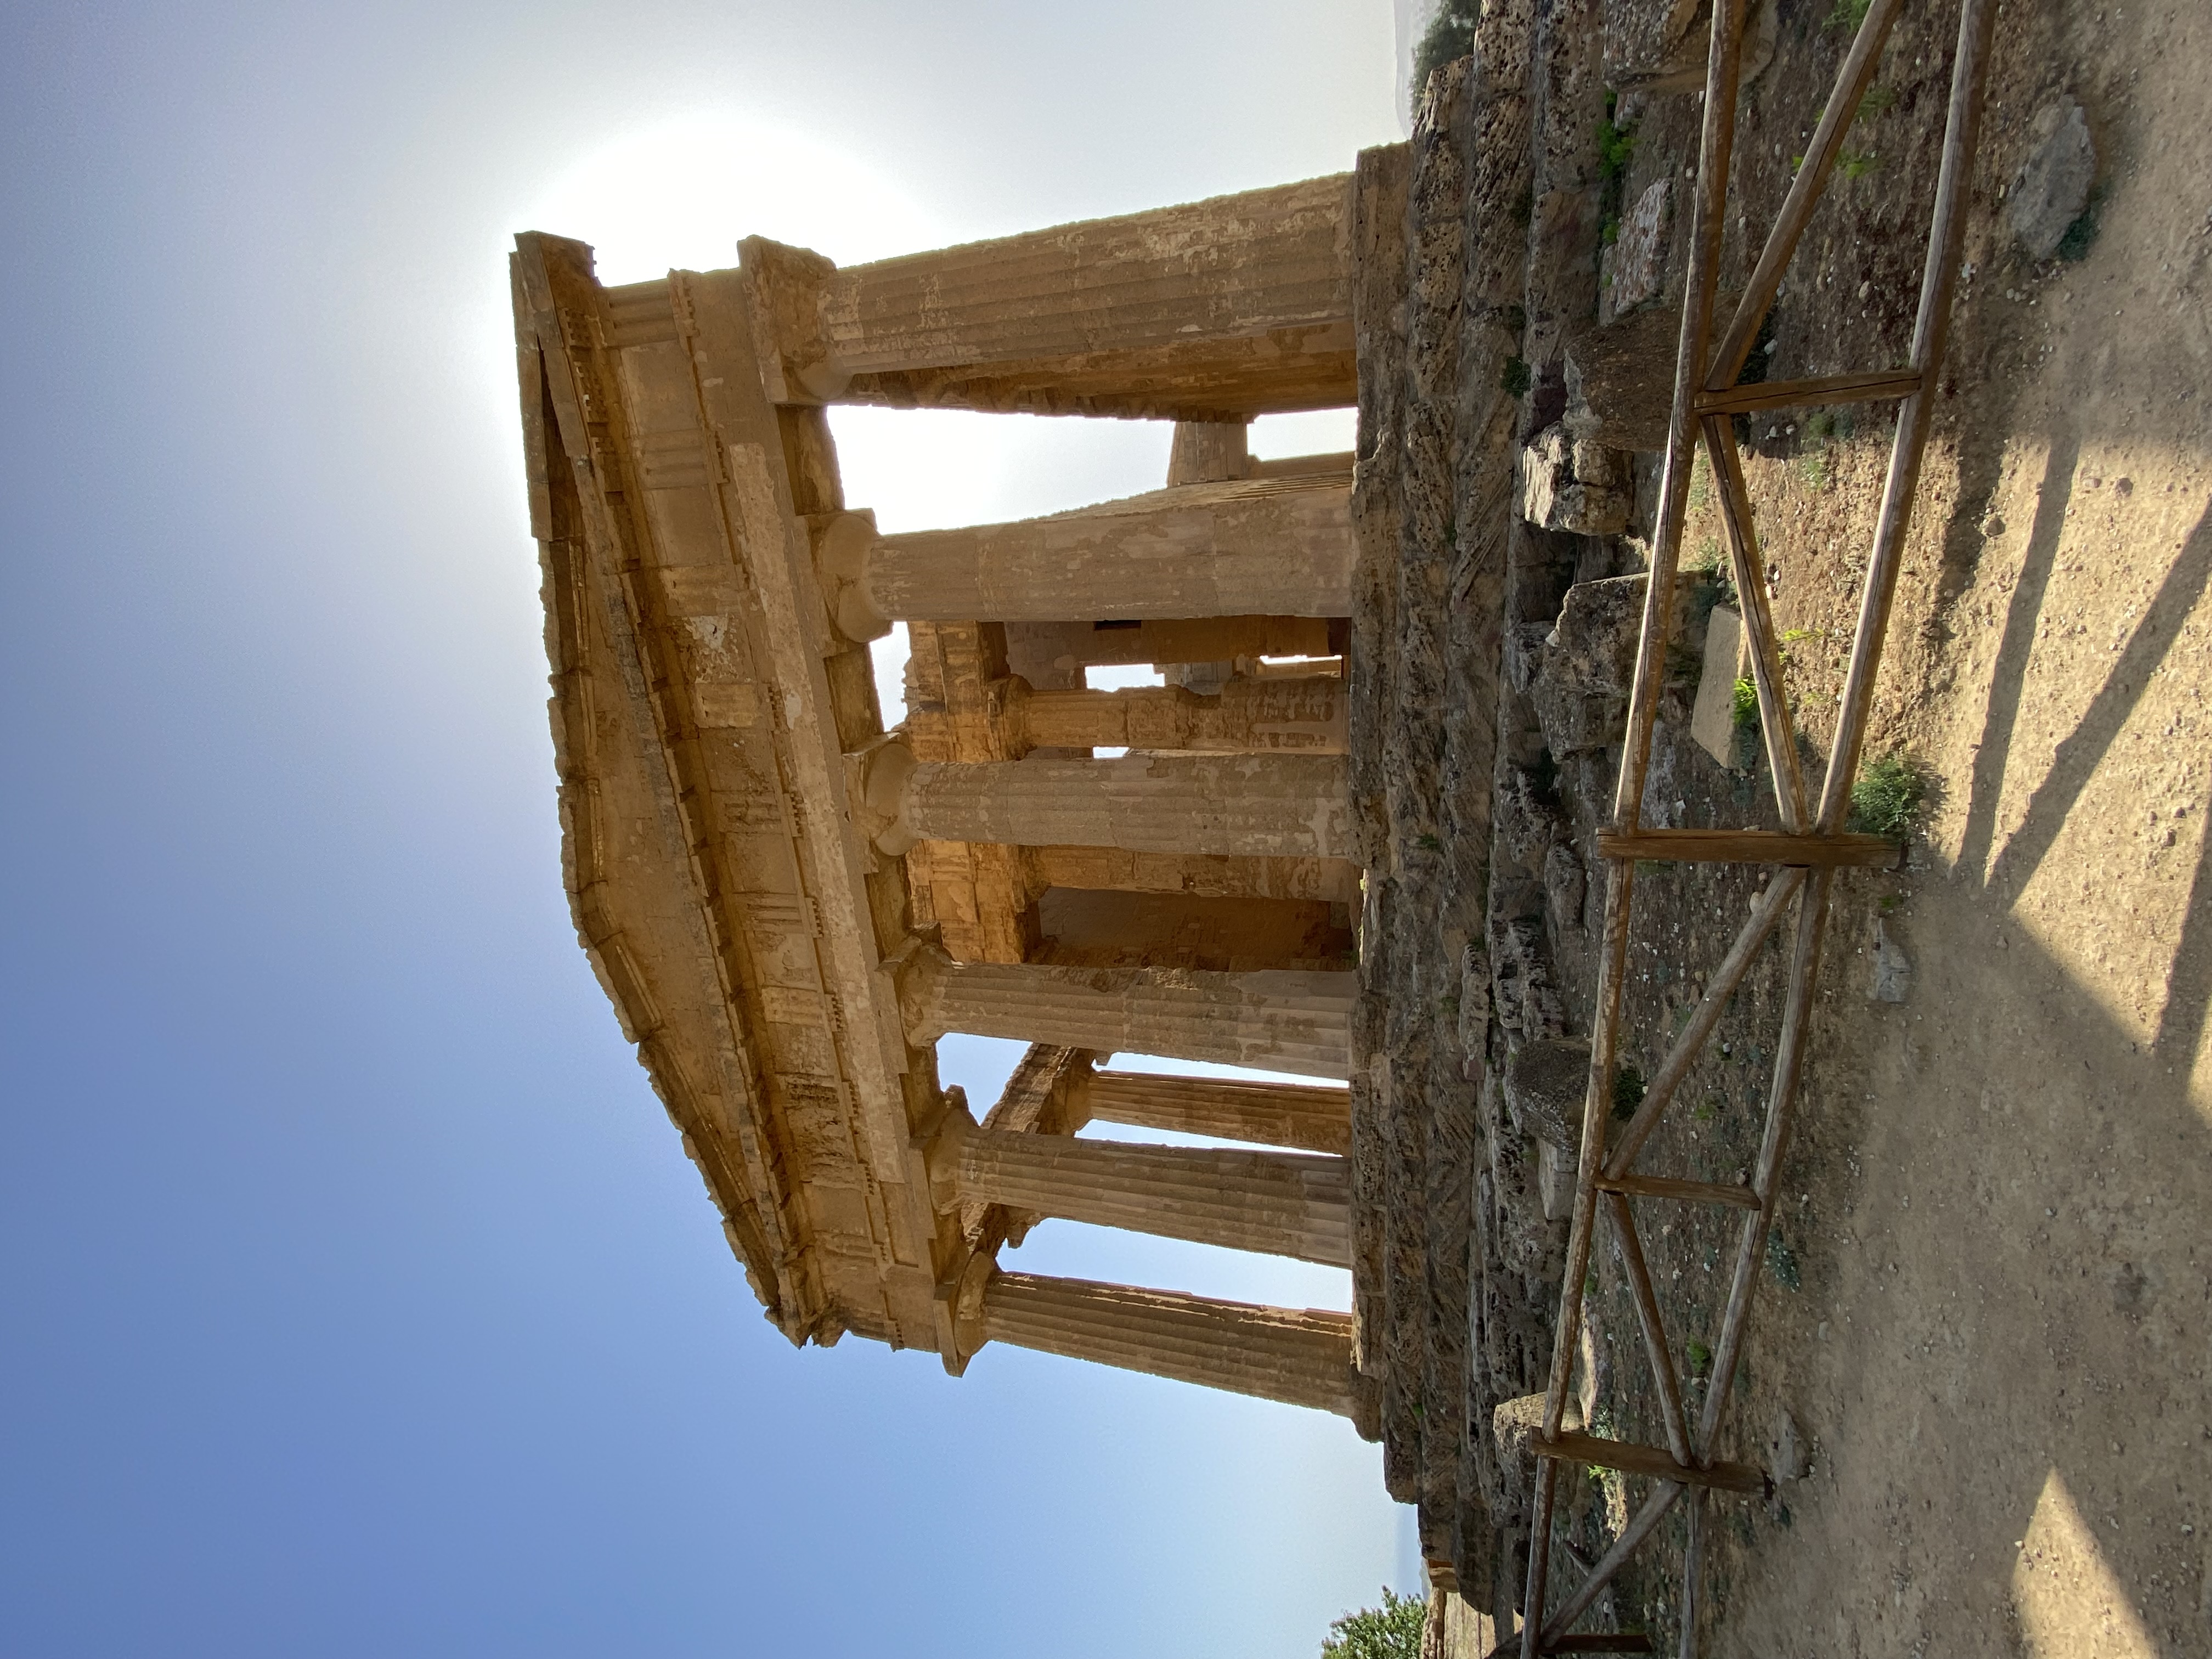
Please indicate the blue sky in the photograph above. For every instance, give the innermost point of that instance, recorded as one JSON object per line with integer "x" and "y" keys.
{"x": 357, "y": 1297}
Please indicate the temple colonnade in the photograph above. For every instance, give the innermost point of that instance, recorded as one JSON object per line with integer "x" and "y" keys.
{"x": 1229, "y": 795}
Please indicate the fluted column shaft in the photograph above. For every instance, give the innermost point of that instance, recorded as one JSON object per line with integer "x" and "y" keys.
{"x": 1250, "y": 715}
{"x": 1298, "y": 1357}
{"x": 1287, "y": 805}
{"x": 1279, "y": 1021}
{"x": 1260, "y": 547}
{"x": 1272, "y": 1114}
{"x": 1275, "y": 1203}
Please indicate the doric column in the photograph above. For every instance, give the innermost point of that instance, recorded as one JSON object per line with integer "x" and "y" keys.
{"x": 1298, "y": 1357}
{"x": 1287, "y": 805}
{"x": 1264, "y": 547}
{"x": 1275, "y": 1203}
{"x": 1250, "y": 715}
{"x": 1281, "y": 1021}
{"x": 1213, "y": 311}
{"x": 1209, "y": 452}
{"x": 1272, "y": 1114}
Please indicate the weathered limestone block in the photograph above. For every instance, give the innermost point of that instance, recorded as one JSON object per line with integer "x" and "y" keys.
{"x": 1298, "y": 1357}
{"x": 1272, "y": 1114}
{"x": 1633, "y": 271}
{"x": 1279, "y": 1021}
{"x": 1214, "y": 311}
{"x": 1619, "y": 378}
{"x": 1574, "y": 484}
{"x": 1250, "y": 714}
{"x": 1712, "y": 717}
{"x": 1524, "y": 991}
{"x": 1275, "y": 1203}
{"x": 1266, "y": 547}
{"x": 1291, "y": 805}
{"x": 1659, "y": 46}
{"x": 1545, "y": 1082}
{"x": 1516, "y": 1426}
{"x": 1588, "y": 664}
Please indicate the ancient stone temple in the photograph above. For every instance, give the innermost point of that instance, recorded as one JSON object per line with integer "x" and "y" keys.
{"x": 787, "y": 904}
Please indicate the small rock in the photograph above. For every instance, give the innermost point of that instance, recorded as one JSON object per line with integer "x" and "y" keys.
{"x": 1787, "y": 1456}
{"x": 1892, "y": 970}
{"x": 2051, "y": 189}
{"x": 1633, "y": 270}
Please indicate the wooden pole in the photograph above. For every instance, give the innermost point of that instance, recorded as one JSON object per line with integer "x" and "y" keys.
{"x": 1655, "y": 1332}
{"x": 1763, "y": 914}
{"x": 1946, "y": 232}
{"x": 1774, "y": 723}
{"x": 1805, "y": 192}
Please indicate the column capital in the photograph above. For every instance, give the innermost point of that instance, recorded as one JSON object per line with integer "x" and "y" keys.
{"x": 842, "y": 544}
{"x": 884, "y": 769}
{"x": 921, "y": 972}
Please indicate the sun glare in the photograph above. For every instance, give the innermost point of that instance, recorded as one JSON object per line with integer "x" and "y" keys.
{"x": 680, "y": 195}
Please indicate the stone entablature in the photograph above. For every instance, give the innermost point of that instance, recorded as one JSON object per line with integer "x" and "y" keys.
{"x": 788, "y": 905}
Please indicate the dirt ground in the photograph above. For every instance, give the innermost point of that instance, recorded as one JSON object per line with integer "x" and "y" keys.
{"x": 1998, "y": 1345}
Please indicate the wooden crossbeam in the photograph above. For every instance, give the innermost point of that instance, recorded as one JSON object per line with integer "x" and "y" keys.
{"x": 1688, "y": 1192}
{"x": 1744, "y": 847}
{"x": 1655, "y": 1462}
{"x": 1816, "y": 392}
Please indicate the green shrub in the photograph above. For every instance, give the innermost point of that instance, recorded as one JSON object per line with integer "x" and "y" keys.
{"x": 1392, "y": 1631}
{"x": 1516, "y": 379}
{"x": 1743, "y": 705}
{"x": 1616, "y": 147}
{"x": 1886, "y": 797}
{"x": 1627, "y": 1090}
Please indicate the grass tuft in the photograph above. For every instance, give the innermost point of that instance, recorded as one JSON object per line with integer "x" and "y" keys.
{"x": 1887, "y": 796}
